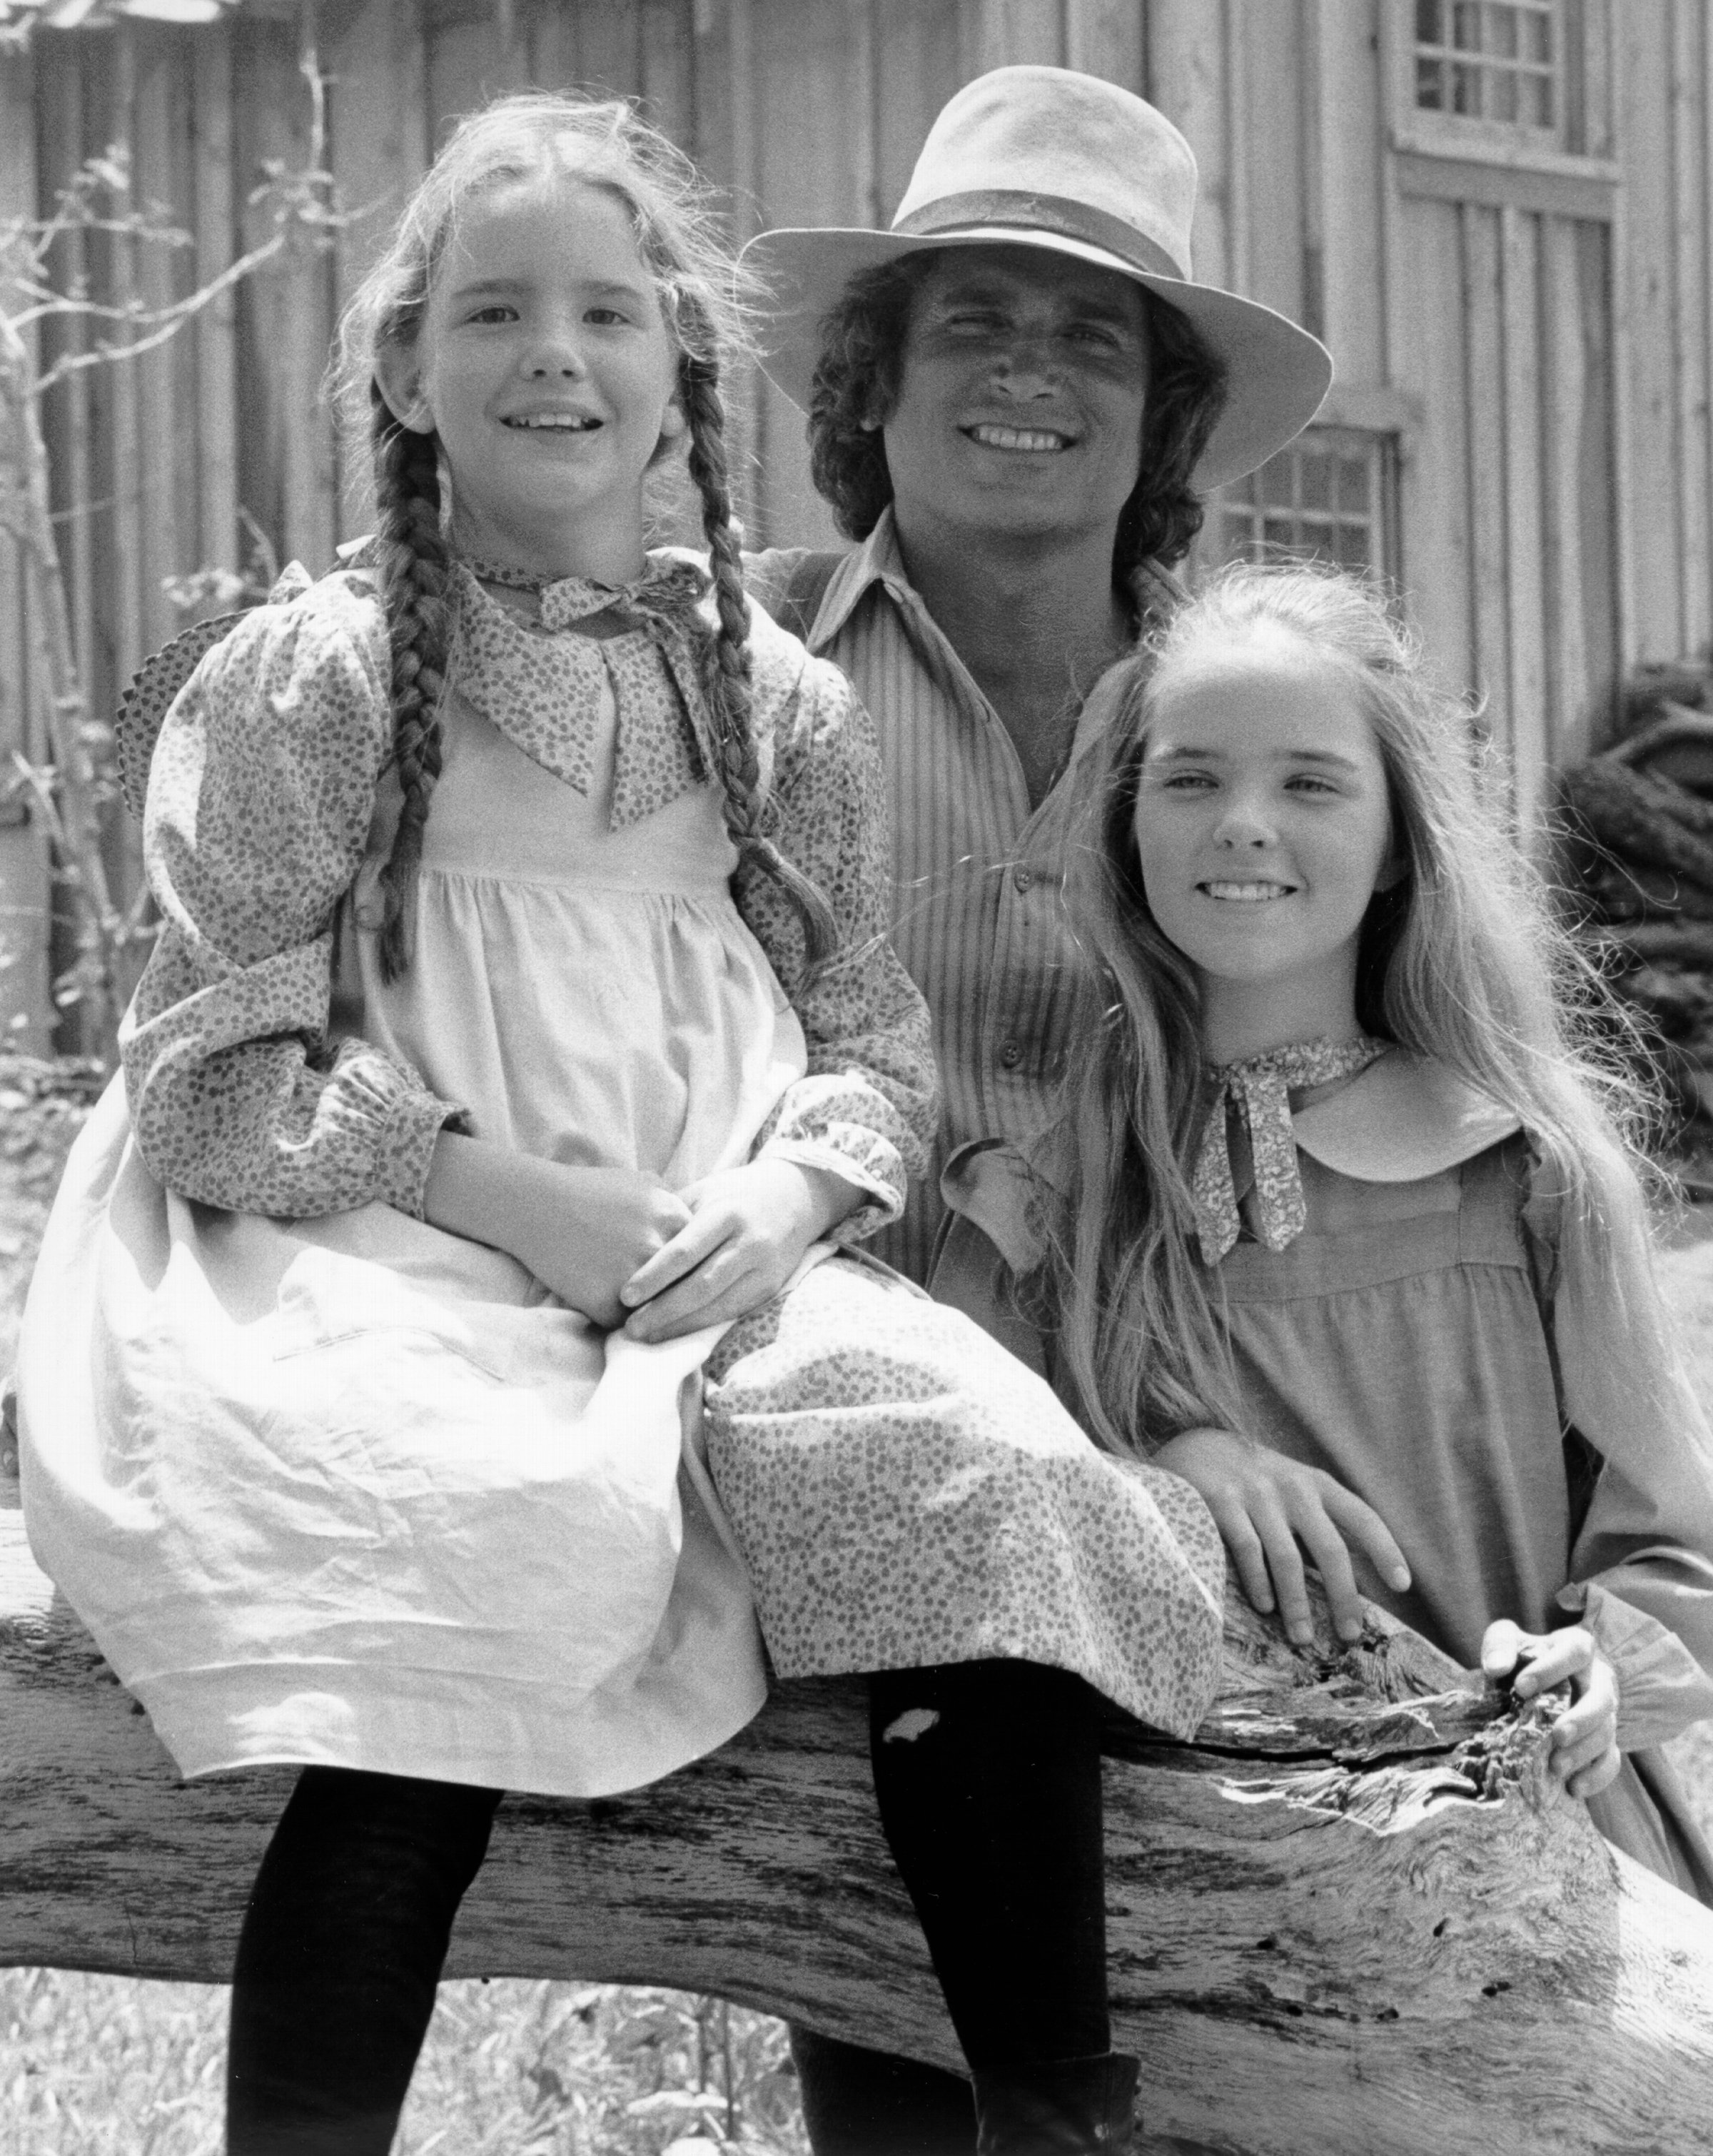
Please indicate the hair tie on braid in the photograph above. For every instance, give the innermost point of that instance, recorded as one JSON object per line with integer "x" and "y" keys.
{"x": 726, "y": 673}
{"x": 415, "y": 576}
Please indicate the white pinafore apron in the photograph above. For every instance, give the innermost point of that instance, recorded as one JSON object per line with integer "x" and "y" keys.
{"x": 353, "y": 1491}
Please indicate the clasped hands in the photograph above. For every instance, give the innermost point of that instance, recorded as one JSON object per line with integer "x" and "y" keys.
{"x": 1271, "y": 1510}
{"x": 622, "y": 1248}
{"x": 742, "y": 1234}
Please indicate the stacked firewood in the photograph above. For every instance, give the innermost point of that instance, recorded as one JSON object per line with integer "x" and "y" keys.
{"x": 1641, "y": 860}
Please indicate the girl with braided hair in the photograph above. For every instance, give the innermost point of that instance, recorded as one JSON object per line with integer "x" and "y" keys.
{"x": 522, "y": 1057}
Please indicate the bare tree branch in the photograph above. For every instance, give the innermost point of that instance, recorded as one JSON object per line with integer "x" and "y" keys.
{"x": 173, "y": 319}
{"x": 76, "y": 791}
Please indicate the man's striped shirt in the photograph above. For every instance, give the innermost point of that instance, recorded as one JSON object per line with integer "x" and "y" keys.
{"x": 977, "y": 875}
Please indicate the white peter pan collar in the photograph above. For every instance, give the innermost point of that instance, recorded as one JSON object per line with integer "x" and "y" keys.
{"x": 1404, "y": 1118}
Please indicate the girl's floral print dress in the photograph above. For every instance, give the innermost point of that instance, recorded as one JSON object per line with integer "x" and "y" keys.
{"x": 328, "y": 1484}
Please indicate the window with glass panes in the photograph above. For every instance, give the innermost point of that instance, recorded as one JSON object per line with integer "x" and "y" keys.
{"x": 1492, "y": 60}
{"x": 1327, "y": 497}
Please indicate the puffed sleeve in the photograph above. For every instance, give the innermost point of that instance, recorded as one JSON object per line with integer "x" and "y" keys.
{"x": 261, "y": 790}
{"x": 1641, "y": 1570}
{"x": 867, "y": 1107}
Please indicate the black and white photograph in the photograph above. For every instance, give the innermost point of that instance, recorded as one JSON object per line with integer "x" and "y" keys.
{"x": 856, "y": 1077}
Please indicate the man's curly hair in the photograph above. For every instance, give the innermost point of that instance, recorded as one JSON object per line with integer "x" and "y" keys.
{"x": 860, "y": 373}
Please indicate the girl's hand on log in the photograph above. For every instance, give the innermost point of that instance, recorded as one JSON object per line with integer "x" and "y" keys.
{"x": 1268, "y": 1509}
{"x": 748, "y": 1231}
{"x": 1585, "y": 1753}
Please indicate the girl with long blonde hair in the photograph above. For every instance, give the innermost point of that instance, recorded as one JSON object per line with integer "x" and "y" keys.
{"x": 1342, "y": 1222}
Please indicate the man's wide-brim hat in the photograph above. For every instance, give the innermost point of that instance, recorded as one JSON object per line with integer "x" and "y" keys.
{"x": 1041, "y": 156}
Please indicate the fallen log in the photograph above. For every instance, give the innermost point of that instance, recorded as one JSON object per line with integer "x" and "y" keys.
{"x": 1654, "y": 685}
{"x": 1685, "y": 943}
{"x": 1643, "y": 819}
{"x": 1677, "y": 744}
{"x": 1351, "y": 1916}
{"x": 1676, "y": 1001}
{"x": 1627, "y": 890}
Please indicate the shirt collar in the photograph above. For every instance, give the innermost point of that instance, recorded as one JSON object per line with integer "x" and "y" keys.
{"x": 880, "y": 560}
{"x": 877, "y": 560}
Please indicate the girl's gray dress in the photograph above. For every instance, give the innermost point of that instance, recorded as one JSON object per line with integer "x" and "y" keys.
{"x": 1407, "y": 1343}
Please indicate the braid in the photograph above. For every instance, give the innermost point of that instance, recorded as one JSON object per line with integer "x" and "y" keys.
{"x": 727, "y": 670}
{"x": 414, "y": 576}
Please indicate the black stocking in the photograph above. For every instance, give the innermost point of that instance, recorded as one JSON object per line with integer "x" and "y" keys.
{"x": 988, "y": 1780}
{"x": 341, "y": 1949}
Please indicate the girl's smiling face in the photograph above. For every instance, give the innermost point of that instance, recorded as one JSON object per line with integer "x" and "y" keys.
{"x": 545, "y": 366}
{"x": 1263, "y": 829}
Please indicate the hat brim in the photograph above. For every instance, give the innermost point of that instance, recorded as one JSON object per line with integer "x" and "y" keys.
{"x": 1277, "y": 375}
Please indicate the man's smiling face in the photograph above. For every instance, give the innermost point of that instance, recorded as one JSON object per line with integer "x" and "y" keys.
{"x": 1020, "y": 410}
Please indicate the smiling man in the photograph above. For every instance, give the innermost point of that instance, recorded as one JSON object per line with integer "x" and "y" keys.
{"x": 1016, "y": 397}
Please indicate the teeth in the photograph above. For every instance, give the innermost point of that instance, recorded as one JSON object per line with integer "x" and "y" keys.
{"x": 1015, "y": 438}
{"x": 562, "y": 421}
{"x": 1249, "y": 894}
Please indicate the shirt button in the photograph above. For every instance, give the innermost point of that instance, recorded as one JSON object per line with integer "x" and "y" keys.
{"x": 1023, "y": 878}
{"x": 1011, "y": 1055}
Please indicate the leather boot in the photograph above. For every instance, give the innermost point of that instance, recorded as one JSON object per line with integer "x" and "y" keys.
{"x": 1066, "y": 2108}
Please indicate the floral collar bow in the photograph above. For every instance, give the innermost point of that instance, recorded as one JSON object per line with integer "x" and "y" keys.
{"x": 1259, "y": 1087}
{"x": 631, "y": 705}
{"x": 668, "y": 592}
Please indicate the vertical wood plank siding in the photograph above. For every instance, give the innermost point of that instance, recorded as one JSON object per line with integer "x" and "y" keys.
{"x": 1688, "y": 278}
{"x": 209, "y": 443}
{"x": 1483, "y": 471}
{"x": 24, "y": 890}
{"x": 1187, "y": 79}
{"x": 1264, "y": 57}
{"x": 1525, "y": 496}
{"x": 1350, "y": 128}
{"x": 1656, "y": 468}
{"x": 1543, "y": 366}
{"x": 1438, "y": 525}
{"x": 1564, "y": 392}
{"x": 1106, "y": 38}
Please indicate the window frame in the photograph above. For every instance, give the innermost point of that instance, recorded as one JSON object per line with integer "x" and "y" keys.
{"x": 1458, "y": 159}
{"x": 1381, "y": 446}
{"x": 1554, "y": 135}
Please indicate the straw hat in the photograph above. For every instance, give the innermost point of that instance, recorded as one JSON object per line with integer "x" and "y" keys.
{"x": 1040, "y": 156}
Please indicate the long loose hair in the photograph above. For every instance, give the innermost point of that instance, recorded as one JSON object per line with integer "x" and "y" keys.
{"x": 1460, "y": 960}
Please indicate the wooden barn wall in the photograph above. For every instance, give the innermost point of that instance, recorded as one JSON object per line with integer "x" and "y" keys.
{"x": 1468, "y": 303}
{"x": 1665, "y": 70}
{"x": 24, "y": 900}
{"x": 1555, "y": 476}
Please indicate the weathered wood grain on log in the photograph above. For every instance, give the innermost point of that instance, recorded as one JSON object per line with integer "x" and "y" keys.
{"x": 1349, "y": 1918}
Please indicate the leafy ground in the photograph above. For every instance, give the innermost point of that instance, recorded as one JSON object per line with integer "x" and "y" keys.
{"x": 41, "y": 1107}
{"x": 98, "y": 2066}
